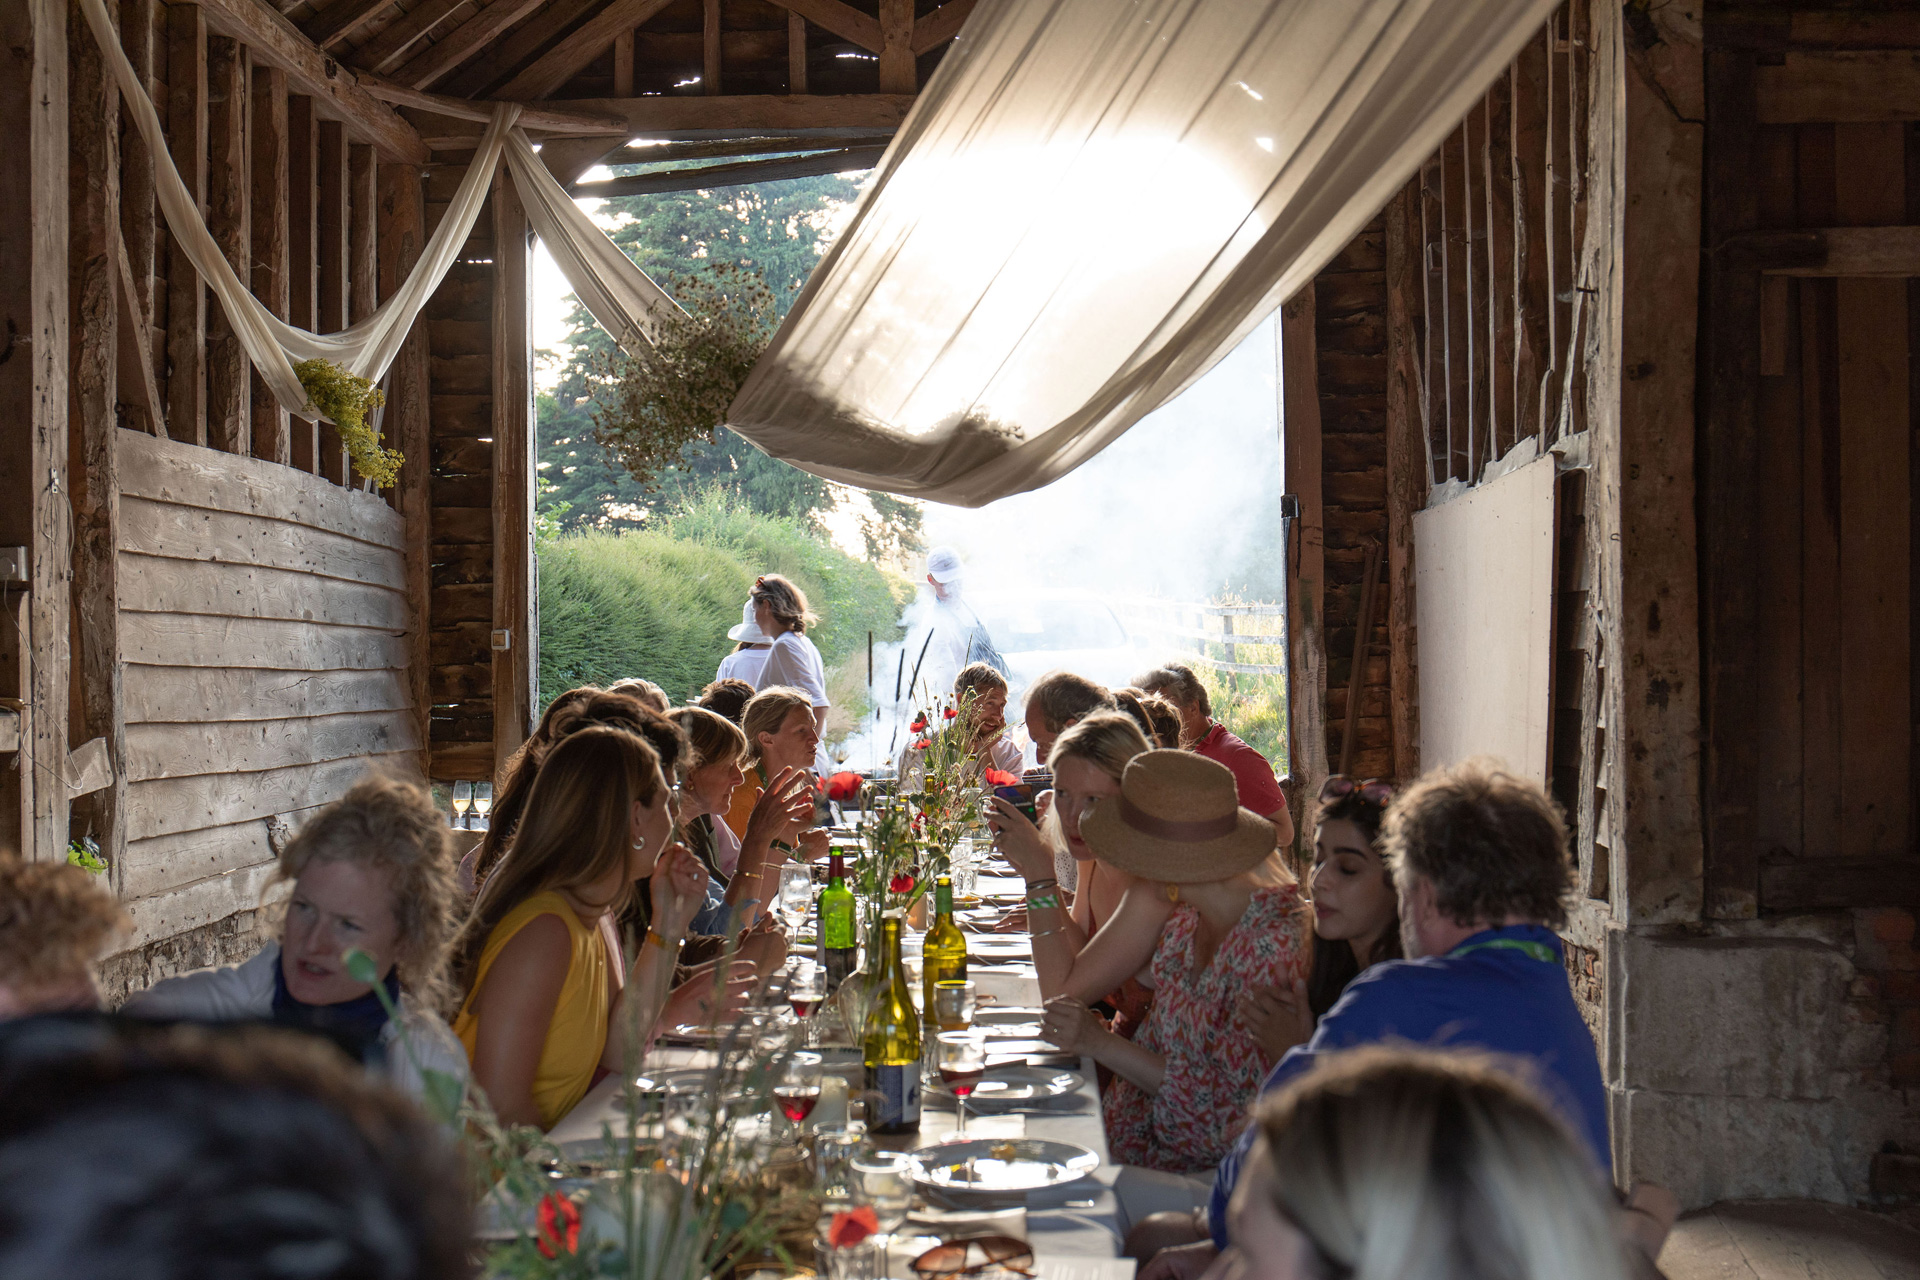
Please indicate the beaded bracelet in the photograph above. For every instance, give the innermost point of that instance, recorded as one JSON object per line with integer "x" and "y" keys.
{"x": 1042, "y": 902}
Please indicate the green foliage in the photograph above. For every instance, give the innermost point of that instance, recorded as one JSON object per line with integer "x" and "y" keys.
{"x": 896, "y": 526}
{"x": 657, "y": 602}
{"x": 85, "y": 854}
{"x": 346, "y": 399}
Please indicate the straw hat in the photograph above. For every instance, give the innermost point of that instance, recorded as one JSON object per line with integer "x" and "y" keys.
{"x": 748, "y": 632}
{"x": 1178, "y": 820}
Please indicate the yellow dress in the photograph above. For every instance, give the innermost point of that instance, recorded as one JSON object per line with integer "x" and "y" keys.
{"x": 577, "y": 1036}
{"x": 745, "y": 796}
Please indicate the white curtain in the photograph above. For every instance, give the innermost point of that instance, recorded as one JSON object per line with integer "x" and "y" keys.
{"x": 1092, "y": 202}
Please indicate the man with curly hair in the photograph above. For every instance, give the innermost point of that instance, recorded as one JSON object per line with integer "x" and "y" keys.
{"x": 56, "y": 921}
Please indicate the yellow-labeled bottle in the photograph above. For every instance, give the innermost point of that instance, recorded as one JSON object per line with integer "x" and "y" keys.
{"x": 892, "y": 1041}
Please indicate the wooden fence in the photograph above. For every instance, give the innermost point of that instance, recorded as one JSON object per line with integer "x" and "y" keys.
{"x": 1228, "y": 628}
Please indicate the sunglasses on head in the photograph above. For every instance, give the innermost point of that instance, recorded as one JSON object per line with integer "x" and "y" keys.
{"x": 981, "y": 1255}
{"x": 1374, "y": 791}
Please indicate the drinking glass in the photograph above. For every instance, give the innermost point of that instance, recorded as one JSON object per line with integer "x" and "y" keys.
{"x": 883, "y": 1180}
{"x": 483, "y": 801}
{"x": 685, "y": 1113}
{"x": 834, "y": 1147}
{"x": 804, "y": 993}
{"x": 796, "y": 895}
{"x": 462, "y": 801}
{"x": 954, "y": 1002}
{"x": 964, "y": 865}
{"x": 798, "y": 1092}
{"x": 962, "y": 1059}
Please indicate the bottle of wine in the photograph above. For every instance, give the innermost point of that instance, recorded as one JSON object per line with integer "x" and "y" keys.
{"x": 944, "y": 954}
{"x": 839, "y": 948}
{"x": 892, "y": 1042}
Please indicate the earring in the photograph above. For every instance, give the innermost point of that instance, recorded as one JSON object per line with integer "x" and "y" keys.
{"x": 1173, "y": 893}
{"x": 640, "y": 845}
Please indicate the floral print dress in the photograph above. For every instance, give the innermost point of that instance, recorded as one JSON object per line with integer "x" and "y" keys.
{"x": 1214, "y": 1068}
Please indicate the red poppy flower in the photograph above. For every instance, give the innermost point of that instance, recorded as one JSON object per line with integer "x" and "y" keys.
{"x": 843, "y": 786}
{"x": 953, "y": 713}
{"x": 901, "y": 884}
{"x": 922, "y": 744}
{"x": 559, "y": 1226}
{"x": 852, "y": 1227}
{"x": 1001, "y": 778}
{"x": 919, "y": 724}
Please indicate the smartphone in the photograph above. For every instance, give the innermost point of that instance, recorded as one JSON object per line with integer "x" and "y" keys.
{"x": 1020, "y": 795}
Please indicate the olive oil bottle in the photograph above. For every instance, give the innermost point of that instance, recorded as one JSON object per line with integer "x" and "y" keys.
{"x": 892, "y": 1041}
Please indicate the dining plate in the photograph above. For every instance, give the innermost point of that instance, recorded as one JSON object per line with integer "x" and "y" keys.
{"x": 1001, "y": 1015}
{"x": 1004, "y": 1164}
{"x": 1012, "y": 1085}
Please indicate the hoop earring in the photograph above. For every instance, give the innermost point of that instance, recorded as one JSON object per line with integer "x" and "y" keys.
{"x": 640, "y": 845}
{"x": 1173, "y": 893}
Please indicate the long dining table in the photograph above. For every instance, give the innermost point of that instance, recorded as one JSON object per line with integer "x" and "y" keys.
{"x": 1075, "y": 1229}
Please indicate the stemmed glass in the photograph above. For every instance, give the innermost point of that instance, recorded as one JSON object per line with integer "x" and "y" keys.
{"x": 962, "y": 1059}
{"x": 462, "y": 801}
{"x": 805, "y": 991}
{"x": 796, "y": 895}
{"x": 483, "y": 801}
{"x": 798, "y": 1092}
{"x": 883, "y": 1180}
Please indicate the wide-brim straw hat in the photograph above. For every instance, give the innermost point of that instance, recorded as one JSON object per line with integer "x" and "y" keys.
{"x": 748, "y": 631}
{"x": 1178, "y": 820}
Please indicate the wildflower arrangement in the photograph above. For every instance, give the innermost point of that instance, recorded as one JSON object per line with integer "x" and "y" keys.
{"x": 346, "y": 399}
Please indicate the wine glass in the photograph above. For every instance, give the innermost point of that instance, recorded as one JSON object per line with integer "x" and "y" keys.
{"x": 954, "y": 1002}
{"x": 805, "y": 993}
{"x": 483, "y": 801}
{"x": 962, "y": 1059}
{"x": 796, "y": 895}
{"x": 462, "y": 801}
{"x": 798, "y": 1092}
{"x": 883, "y": 1180}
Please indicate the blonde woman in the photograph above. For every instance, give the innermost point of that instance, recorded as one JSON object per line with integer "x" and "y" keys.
{"x": 742, "y": 870}
{"x": 781, "y": 611}
{"x": 782, "y": 739}
{"x": 1384, "y": 1164}
{"x": 373, "y": 872}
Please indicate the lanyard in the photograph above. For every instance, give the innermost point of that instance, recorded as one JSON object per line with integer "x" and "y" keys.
{"x": 1537, "y": 950}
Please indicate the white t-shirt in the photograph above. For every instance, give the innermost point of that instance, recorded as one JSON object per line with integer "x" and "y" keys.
{"x": 743, "y": 664}
{"x": 795, "y": 662}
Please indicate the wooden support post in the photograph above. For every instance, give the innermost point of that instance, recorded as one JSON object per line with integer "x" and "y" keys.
{"x": 1532, "y": 304}
{"x": 403, "y": 232}
{"x": 186, "y": 295}
{"x": 898, "y": 73}
{"x": 1407, "y": 479}
{"x": 139, "y": 214}
{"x": 1504, "y": 430}
{"x": 272, "y": 436}
{"x": 92, "y": 427}
{"x": 229, "y": 371}
{"x": 332, "y": 233}
{"x": 303, "y": 248}
{"x": 1362, "y": 650}
{"x": 33, "y": 417}
{"x": 1306, "y": 579}
{"x": 796, "y": 54}
{"x": 710, "y": 48}
{"x": 623, "y": 65}
{"x": 515, "y": 634}
{"x": 363, "y": 268}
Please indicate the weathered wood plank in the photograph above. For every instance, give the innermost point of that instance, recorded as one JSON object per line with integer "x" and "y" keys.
{"x": 183, "y": 640}
{"x": 1868, "y": 87}
{"x": 340, "y": 19}
{"x": 931, "y": 30}
{"x": 139, "y": 214}
{"x": 139, "y": 392}
{"x": 535, "y": 117}
{"x": 176, "y": 694}
{"x": 398, "y": 38}
{"x": 623, "y": 65}
{"x": 149, "y": 585}
{"x": 434, "y": 63}
{"x": 303, "y": 249}
{"x": 560, "y": 64}
{"x": 843, "y": 20}
{"x": 456, "y": 761}
{"x": 193, "y": 535}
{"x": 363, "y": 264}
{"x": 796, "y": 54}
{"x": 1533, "y": 351}
{"x": 1406, "y": 456}
{"x": 515, "y": 610}
{"x": 1887, "y": 251}
{"x": 711, "y": 48}
{"x": 242, "y": 746}
{"x": 1825, "y": 884}
{"x": 173, "y": 911}
{"x": 268, "y": 214}
{"x": 186, "y": 295}
{"x": 844, "y": 160}
{"x": 157, "y": 864}
{"x": 408, "y": 421}
{"x": 161, "y": 471}
{"x": 177, "y": 806}
{"x": 229, "y": 372}
{"x": 663, "y": 116}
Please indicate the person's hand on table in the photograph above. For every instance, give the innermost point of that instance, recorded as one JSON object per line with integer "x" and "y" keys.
{"x": 814, "y": 845}
{"x": 702, "y": 999}
{"x": 1069, "y": 1025}
{"x": 1015, "y": 921}
{"x": 678, "y": 887}
{"x": 1181, "y": 1262}
{"x": 1019, "y": 841}
{"x": 1278, "y": 1018}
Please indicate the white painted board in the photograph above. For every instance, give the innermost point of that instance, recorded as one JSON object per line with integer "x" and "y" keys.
{"x": 1483, "y": 578}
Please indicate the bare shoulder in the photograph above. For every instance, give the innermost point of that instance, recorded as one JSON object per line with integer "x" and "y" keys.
{"x": 536, "y": 958}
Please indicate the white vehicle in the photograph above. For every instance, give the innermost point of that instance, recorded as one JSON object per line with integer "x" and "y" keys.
{"x": 1065, "y": 630}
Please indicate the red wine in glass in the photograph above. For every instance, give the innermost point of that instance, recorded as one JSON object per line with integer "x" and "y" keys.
{"x": 961, "y": 1079}
{"x": 803, "y": 1002}
{"x": 797, "y": 1101}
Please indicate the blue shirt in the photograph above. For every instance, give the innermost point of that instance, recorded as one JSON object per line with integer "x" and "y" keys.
{"x": 1499, "y": 991}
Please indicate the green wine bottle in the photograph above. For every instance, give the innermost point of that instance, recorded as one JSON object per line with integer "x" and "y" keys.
{"x": 944, "y": 955}
{"x": 840, "y": 952}
{"x": 892, "y": 1042}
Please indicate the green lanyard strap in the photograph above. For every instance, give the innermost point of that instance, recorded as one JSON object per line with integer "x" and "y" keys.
{"x": 1537, "y": 950}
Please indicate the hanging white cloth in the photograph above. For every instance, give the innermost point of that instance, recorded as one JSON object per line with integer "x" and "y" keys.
{"x": 1091, "y": 203}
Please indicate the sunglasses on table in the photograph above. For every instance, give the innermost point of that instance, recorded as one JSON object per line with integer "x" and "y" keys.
{"x": 1375, "y": 791}
{"x": 979, "y": 1256}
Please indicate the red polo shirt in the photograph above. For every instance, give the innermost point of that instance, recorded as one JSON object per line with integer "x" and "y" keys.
{"x": 1252, "y": 775}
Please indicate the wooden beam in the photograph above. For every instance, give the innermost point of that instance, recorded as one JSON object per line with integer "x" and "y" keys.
{"x": 1406, "y": 476}
{"x": 439, "y": 60}
{"x": 403, "y": 231}
{"x": 1828, "y": 251}
{"x": 709, "y": 48}
{"x": 340, "y": 19}
{"x": 729, "y": 175}
{"x": 843, "y": 20}
{"x": 303, "y": 248}
{"x": 139, "y": 213}
{"x": 387, "y": 50}
{"x": 272, "y": 438}
{"x": 656, "y": 152}
{"x": 363, "y": 198}
{"x": 932, "y": 30}
{"x": 515, "y": 630}
{"x": 136, "y": 381}
{"x": 585, "y": 43}
{"x": 897, "y": 71}
{"x": 229, "y": 371}
{"x": 275, "y": 40}
{"x": 1306, "y": 578}
{"x": 186, "y": 295}
{"x": 1832, "y": 884}
{"x": 623, "y": 65}
{"x": 662, "y": 116}
{"x": 333, "y": 228}
{"x": 796, "y": 53}
{"x": 535, "y": 117}
{"x": 92, "y": 425}
{"x": 1851, "y": 88}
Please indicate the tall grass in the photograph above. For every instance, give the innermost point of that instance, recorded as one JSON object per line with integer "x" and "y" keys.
{"x": 657, "y": 602}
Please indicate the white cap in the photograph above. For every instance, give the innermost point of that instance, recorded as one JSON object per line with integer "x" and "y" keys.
{"x": 748, "y": 632}
{"x": 944, "y": 564}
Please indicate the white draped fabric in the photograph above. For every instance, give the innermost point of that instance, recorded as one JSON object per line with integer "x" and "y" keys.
{"x": 1092, "y": 202}
{"x": 618, "y": 294}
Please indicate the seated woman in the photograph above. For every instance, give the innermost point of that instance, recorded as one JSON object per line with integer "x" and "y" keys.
{"x": 1185, "y": 1080}
{"x": 741, "y": 870}
{"x": 56, "y": 921}
{"x": 782, "y": 740}
{"x": 545, "y": 1005}
{"x": 512, "y": 797}
{"x": 1356, "y": 915}
{"x": 1400, "y": 1163}
{"x": 373, "y": 872}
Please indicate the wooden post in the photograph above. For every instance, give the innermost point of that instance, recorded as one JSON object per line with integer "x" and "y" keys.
{"x": 898, "y": 73}
{"x": 796, "y": 53}
{"x": 92, "y": 426}
{"x": 303, "y": 244}
{"x": 272, "y": 435}
{"x": 1406, "y": 475}
{"x": 228, "y": 369}
{"x": 403, "y": 231}
{"x": 1306, "y": 581}
{"x": 623, "y": 65}
{"x": 1532, "y": 203}
{"x": 1362, "y": 647}
{"x": 139, "y": 214}
{"x": 332, "y": 232}
{"x": 33, "y": 414}
{"x": 186, "y": 295}
{"x": 710, "y": 48}
{"x": 514, "y": 607}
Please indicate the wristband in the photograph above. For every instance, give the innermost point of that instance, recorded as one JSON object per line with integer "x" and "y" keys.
{"x": 1043, "y": 901}
{"x": 1041, "y": 886}
{"x": 659, "y": 939}
{"x": 782, "y": 846}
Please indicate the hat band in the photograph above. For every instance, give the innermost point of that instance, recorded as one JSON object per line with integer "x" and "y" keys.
{"x": 1169, "y": 829}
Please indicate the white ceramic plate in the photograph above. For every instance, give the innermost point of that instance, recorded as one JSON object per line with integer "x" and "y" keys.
{"x": 1012, "y": 1085}
{"x": 1000, "y": 1165}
